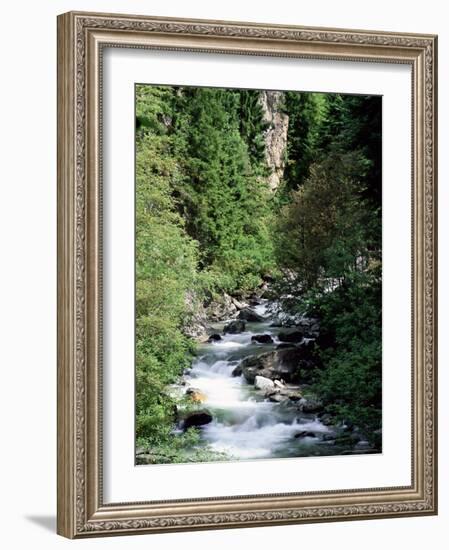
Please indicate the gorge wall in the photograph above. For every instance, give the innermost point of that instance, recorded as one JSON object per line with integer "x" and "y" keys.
{"x": 275, "y": 135}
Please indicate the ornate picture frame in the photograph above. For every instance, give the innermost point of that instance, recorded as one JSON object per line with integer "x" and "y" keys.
{"x": 82, "y": 38}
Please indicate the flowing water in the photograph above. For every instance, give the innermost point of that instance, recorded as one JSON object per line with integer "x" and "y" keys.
{"x": 246, "y": 425}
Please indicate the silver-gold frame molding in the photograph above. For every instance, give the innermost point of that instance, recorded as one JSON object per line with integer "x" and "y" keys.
{"x": 81, "y": 39}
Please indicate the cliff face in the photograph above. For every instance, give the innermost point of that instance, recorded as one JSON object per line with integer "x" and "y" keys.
{"x": 275, "y": 135}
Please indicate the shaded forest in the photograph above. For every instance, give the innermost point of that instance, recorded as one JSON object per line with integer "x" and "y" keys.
{"x": 241, "y": 192}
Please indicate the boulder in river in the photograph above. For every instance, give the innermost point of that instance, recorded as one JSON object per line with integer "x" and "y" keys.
{"x": 195, "y": 419}
{"x": 291, "y": 335}
{"x": 237, "y": 371}
{"x": 282, "y": 364}
{"x": 309, "y": 326}
{"x": 264, "y": 384}
{"x": 221, "y": 308}
{"x": 326, "y": 419}
{"x": 262, "y": 339}
{"x": 277, "y": 398}
{"x": 248, "y": 314}
{"x": 310, "y": 404}
{"x": 305, "y": 346}
{"x": 234, "y": 327}
{"x": 301, "y": 435}
{"x": 196, "y": 395}
{"x": 214, "y": 338}
{"x": 239, "y": 304}
{"x": 285, "y": 345}
{"x": 292, "y": 395}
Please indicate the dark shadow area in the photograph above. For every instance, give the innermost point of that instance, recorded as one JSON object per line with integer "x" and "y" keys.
{"x": 46, "y": 522}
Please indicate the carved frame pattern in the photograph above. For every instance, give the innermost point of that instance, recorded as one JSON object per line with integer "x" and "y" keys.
{"x": 81, "y": 37}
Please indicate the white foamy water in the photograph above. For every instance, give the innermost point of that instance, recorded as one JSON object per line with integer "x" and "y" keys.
{"x": 246, "y": 426}
{"x": 226, "y": 344}
{"x": 261, "y": 309}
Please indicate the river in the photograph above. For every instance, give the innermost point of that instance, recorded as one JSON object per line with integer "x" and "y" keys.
{"x": 245, "y": 424}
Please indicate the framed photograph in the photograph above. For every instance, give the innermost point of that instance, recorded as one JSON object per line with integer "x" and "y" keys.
{"x": 246, "y": 274}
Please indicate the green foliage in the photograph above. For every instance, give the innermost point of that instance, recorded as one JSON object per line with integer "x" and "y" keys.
{"x": 351, "y": 353}
{"x": 206, "y": 223}
{"x": 224, "y": 200}
{"x": 320, "y": 232}
{"x": 328, "y": 244}
{"x": 307, "y": 118}
{"x": 355, "y": 123}
{"x": 166, "y": 264}
{"x": 319, "y": 122}
{"x": 252, "y": 128}
{"x": 202, "y": 219}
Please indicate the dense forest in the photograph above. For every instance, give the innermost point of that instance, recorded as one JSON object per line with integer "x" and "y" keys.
{"x": 243, "y": 194}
